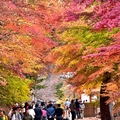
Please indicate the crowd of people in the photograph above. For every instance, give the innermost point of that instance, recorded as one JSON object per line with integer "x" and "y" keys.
{"x": 75, "y": 108}
{"x": 42, "y": 111}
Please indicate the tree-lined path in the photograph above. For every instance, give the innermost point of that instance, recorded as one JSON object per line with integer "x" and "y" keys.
{"x": 56, "y": 37}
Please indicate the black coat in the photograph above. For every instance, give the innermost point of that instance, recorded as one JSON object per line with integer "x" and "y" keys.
{"x": 38, "y": 112}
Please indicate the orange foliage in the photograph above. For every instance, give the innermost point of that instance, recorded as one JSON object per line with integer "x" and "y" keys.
{"x": 24, "y": 36}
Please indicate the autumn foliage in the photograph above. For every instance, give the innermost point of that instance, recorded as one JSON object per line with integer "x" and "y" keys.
{"x": 81, "y": 36}
{"x": 93, "y": 48}
{"x": 25, "y": 39}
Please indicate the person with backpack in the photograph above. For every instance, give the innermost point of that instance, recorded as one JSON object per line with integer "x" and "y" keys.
{"x": 50, "y": 112}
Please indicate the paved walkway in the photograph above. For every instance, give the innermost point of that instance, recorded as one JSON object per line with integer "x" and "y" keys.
{"x": 85, "y": 118}
{"x": 90, "y": 118}
{"x": 94, "y": 118}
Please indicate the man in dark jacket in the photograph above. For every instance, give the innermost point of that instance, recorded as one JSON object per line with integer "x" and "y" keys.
{"x": 59, "y": 113}
{"x": 38, "y": 112}
{"x": 72, "y": 108}
{"x": 77, "y": 106}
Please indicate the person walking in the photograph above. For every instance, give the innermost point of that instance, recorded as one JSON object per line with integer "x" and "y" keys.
{"x": 27, "y": 116}
{"x": 32, "y": 104}
{"x": 72, "y": 109}
{"x": 50, "y": 112}
{"x": 31, "y": 111}
{"x": 66, "y": 107}
{"x": 59, "y": 112}
{"x": 82, "y": 107}
{"x": 38, "y": 112}
{"x": 77, "y": 106}
{"x": 15, "y": 115}
{"x": 44, "y": 114}
{"x": 50, "y": 103}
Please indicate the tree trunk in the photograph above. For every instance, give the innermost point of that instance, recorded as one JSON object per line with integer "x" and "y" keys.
{"x": 105, "y": 109}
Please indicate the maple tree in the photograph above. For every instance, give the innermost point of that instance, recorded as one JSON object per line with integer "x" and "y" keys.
{"x": 31, "y": 30}
{"x": 24, "y": 42}
{"x": 88, "y": 59}
{"x": 108, "y": 57}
